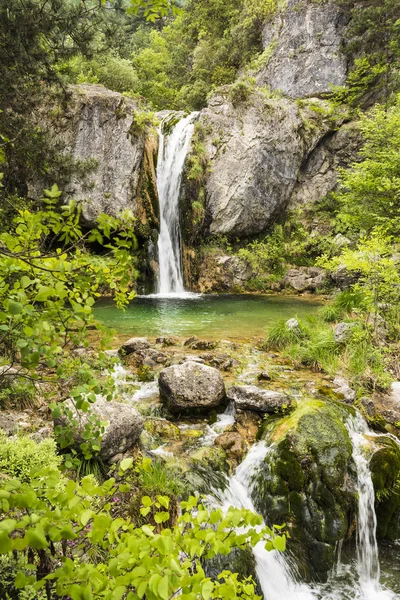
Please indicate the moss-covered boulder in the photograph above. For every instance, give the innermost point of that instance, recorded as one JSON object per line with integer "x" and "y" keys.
{"x": 306, "y": 482}
{"x": 385, "y": 471}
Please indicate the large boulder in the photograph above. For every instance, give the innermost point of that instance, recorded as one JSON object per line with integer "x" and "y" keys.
{"x": 191, "y": 386}
{"x": 385, "y": 471}
{"x": 305, "y": 41}
{"x": 304, "y": 279}
{"x": 308, "y": 482}
{"x": 252, "y": 397}
{"x": 124, "y": 425}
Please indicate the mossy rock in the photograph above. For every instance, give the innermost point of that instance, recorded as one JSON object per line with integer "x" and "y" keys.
{"x": 191, "y": 434}
{"x": 385, "y": 472}
{"x": 212, "y": 456}
{"x": 304, "y": 482}
{"x": 162, "y": 428}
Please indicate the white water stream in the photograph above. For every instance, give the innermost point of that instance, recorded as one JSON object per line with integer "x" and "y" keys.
{"x": 172, "y": 153}
{"x": 277, "y": 579}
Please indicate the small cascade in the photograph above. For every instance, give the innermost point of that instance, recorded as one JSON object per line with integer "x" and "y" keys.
{"x": 171, "y": 160}
{"x": 367, "y": 547}
{"x": 273, "y": 572}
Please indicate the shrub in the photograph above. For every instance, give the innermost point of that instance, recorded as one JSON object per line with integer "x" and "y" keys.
{"x": 18, "y": 456}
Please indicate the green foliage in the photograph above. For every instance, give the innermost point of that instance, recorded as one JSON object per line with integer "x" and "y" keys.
{"x": 22, "y": 456}
{"x": 77, "y": 549}
{"x": 108, "y": 69}
{"x": 343, "y": 304}
{"x": 50, "y": 282}
{"x": 313, "y": 345}
{"x": 370, "y": 191}
{"x": 377, "y": 268}
{"x": 267, "y": 255}
{"x": 240, "y": 92}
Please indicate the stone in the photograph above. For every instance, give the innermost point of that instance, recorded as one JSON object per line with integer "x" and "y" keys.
{"x": 252, "y": 397}
{"x": 343, "y": 332}
{"x": 233, "y": 443}
{"x": 292, "y": 324}
{"x": 191, "y": 386}
{"x": 304, "y": 279}
{"x": 196, "y": 344}
{"x": 305, "y": 40}
{"x": 124, "y": 426}
{"x": 112, "y": 353}
{"x": 264, "y": 376}
{"x": 162, "y": 428}
{"x": 344, "y": 278}
{"x": 98, "y": 128}
{"x": 135, "y": 344}
{"x": 308, "y": 481}
{"x": 343, "y": 389}
{"x": 147, "y": 356}
{"x": 167, "y": 340}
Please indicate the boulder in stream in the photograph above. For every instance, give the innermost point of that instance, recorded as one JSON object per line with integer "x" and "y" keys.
{"x": 135, "y": 344}
{"x": 308, "y": 482}
{"x": 189, "y": 386}
{"x": 252, "y": 397}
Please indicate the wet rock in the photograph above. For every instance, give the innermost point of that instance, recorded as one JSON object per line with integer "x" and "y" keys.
{"x": 251, "y": 397}
{"x": 122, "y": 431}
{"x": 135, "y": 344}
{"x": 191, "y": 386}
{"x": 223, "y": 362}
{"x": 196, "y": 344}
{"x": 343, "y": 332}
{"x": 194, "y": 358}
{"x": 264, "y": 376}
{"x": 162, "y": 428}
{"x": 149, "y": 356}
{"x": 233, "y": 443}
{"x": 385, "y": 472}
{"x": 343, "y": 389}
{"x": 308, "y": 482}
{"x": 387, "y": 408}
{"x": 304, "y": 279}
{"x": 167, "y": 341}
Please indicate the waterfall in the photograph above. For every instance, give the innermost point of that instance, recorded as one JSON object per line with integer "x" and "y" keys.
{"x": 273, "y": 572}
{"x": 367, "y": 547}
{"x": 277, "y": 579}
{"x": 171, "y": 159}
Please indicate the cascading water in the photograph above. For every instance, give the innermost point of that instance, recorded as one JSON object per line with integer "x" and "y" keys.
{"x": 367, "y": 547}
{"x": 171, "y": 159}
{"x": 273, "y": 572}
{"x": 277, "y": 579}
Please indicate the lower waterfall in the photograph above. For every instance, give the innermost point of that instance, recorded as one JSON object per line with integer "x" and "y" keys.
{"x": 171, "y": 160}
{"x": 277, "y": 578}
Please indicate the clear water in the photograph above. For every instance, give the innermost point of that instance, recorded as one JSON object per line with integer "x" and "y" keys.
{"x": 208, "y": 316}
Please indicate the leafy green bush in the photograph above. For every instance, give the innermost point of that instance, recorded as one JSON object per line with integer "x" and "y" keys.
{"x": 77, "y": 548}
{"x": 19, "y": 455}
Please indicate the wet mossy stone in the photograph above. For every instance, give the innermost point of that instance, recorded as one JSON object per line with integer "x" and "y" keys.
{"x": 385, "y": 472}
{"x": 304, "y": 482}
{"x": 239, "y": 560}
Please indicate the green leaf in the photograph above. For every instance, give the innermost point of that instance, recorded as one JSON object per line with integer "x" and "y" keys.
{"x": 279, "y": 543}
{"x": 207, "y": 589}
{"x": 126, "y": 464}
{"x": 15, "y": 308}
{"x": 163, "y": 588}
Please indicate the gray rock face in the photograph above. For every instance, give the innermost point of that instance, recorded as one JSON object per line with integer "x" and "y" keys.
{"x": 135, "y": 344}
{"x": 343, "y": 332}
{"x": 191, "y": 385}
{"x": 343, "y": 389}
{"x": 97, "y": 128}
{"x": 304, "y": 279}
{"x": 305, "y": 41}
{"x": 124, "y": 427}
{"x": 255, "y": 166}
{"x": 251, "y": 397}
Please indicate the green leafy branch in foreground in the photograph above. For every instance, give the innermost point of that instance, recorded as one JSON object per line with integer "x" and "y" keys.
{"x": 69, "y": 544}
{"x": 49, "y": 284}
